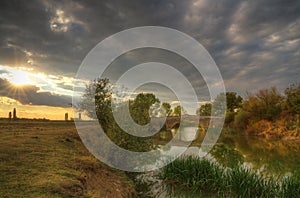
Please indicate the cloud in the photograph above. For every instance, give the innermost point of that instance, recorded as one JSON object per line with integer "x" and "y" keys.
{"x": 251, "y": 41}
{"x": 30, "y": 94}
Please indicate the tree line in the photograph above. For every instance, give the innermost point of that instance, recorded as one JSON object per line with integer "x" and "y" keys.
{"x": 265, "y": 113}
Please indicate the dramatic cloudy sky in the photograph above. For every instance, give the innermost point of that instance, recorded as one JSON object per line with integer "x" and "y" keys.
{"x": 256, "y": 44}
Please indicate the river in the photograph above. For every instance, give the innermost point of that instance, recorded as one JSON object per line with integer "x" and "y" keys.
{"x": 274, "y": 157}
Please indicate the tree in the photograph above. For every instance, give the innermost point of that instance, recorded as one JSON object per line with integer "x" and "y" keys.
{"x": 97, "y": 98}
{"x": 178, "y": 111}
{"x": 241, "y": 120}
{"x": 168, "y": 108}
{"x": 293, "y": 103}
{"x": 219, "y": 105}
{"x": 293, "y": 99}
{"x": 233, "y": 101}
{"x": 265, "y": 104}
{"x": 140, "y": 106}
{"x": 204, "y": 110}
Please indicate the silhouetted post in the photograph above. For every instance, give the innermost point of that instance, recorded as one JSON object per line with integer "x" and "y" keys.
{"x": 15, "y": 114}
{"x": 66, "y": 117}
{"x": 9, "y": 116}
{"x": 79, "y": 116}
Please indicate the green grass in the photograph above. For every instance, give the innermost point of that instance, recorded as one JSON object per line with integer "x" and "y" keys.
{"x": 203, "y": 177}
{"x": 290, "y": 186}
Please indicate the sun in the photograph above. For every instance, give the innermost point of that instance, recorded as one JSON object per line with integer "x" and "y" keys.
{"x": 20, "y": 78}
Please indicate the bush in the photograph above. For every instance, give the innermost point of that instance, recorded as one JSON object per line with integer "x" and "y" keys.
{"x": 241, "y": 120}
{"x": 229, "y": 118}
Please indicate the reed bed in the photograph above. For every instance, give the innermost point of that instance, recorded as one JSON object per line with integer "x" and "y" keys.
{"x": 203, "y": 177}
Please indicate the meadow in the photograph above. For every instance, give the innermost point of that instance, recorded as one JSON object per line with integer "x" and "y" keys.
{"x": 47, "y": 159}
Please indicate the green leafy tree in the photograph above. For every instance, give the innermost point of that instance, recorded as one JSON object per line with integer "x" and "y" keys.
{"x": 292, "y": 94}
{"x": 167, "y": 108}
{"x": 178, "y": 111}
{"x": 98, "y": 96}
{"x": 219, "y": 105}
{"x": 140, "y": 107}
{"x": 204, "y": 110}
{"x": 293, "y": 99}
{"x": 233, "y": 101}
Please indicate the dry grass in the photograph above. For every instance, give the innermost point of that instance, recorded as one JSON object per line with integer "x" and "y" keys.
{"x": 47, "y": 159}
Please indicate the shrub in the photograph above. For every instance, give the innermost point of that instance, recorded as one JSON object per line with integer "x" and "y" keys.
{"x": 229, "y": 118}
{"x": 241, "y": 120}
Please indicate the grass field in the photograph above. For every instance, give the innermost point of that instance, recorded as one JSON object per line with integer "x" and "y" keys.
{"x": 47, "y": 159}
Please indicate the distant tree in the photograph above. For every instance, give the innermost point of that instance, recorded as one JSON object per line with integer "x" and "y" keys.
{"x": 293, "y": 99}
{"x": 241, "y": 120}
{"x": 140, "y": 106}
{"x": 233, "y": 101}
{"x": 292, "y": 104}
{"x": 204, "y": 110}
{"x": 219, "y": 105}
{"x": 265, "y": 104}
{"x": 178, "y": 111}
{"x": 167, "y": 108}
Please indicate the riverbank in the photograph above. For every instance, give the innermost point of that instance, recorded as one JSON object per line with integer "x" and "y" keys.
{"x": 47, "y": 159}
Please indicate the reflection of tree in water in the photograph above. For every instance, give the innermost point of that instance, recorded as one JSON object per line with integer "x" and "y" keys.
{"x": 227, "y": 155}
{"x": 276, "y": 156}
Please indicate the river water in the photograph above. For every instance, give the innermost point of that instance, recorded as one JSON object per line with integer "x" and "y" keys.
{"x": 274, "y": 157}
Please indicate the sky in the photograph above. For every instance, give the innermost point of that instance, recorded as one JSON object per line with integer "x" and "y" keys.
{"x": 255, "y": 44}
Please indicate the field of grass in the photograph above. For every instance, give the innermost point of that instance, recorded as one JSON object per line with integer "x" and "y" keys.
{"x": 47, "y": 159}
{"x": 206, "y": 178}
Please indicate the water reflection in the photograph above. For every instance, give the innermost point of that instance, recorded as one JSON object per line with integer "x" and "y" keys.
{"x": 227, "y": 156}
{"x": 274, "y": 157}
{"x": 186, "y": 134}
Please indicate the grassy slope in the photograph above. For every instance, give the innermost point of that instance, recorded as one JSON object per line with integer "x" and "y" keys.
{"x": 47, "y": 159}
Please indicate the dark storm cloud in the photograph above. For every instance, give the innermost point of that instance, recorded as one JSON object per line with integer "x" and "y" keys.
{"x": 29, "y": 95}
{"x": 254, "y": 43}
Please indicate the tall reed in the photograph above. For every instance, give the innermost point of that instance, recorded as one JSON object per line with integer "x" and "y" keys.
{"x": 198, "y": 176}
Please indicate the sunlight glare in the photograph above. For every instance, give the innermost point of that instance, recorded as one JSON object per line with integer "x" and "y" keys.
{"x": 19, "y": 78}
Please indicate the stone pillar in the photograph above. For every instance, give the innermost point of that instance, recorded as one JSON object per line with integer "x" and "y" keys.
{"x": 79, "y": 116}
{"x": 9, "y": 116}
{"x": 66, "y": 117}
{"x": 15, "y": 114}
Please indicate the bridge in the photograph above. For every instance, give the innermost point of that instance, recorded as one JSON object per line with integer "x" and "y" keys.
{"x": 171, "y": 122}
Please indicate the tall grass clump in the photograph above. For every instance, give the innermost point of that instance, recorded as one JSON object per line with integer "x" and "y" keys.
{"x": 201, "y": 176}
{"x": 290, "y": 186}
{"x": 194, "y": 174}
{"x": 246, "y": 183}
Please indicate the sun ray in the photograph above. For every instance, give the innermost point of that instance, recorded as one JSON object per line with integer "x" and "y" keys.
{"x": 20, "y": 78}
